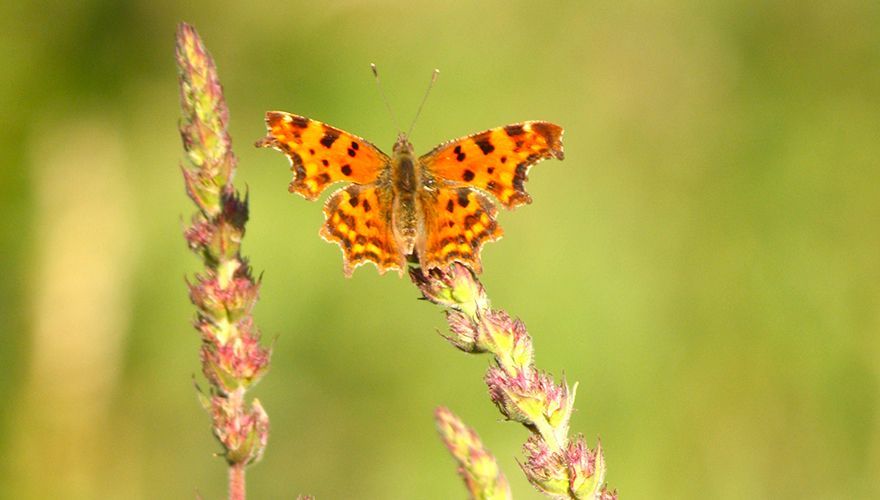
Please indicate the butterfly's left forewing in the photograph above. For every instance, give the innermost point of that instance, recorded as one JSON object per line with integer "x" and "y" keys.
{"x": 460, "y": 219}
{"x": 497, "y": 161}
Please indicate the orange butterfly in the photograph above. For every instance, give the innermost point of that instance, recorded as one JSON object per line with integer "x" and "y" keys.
{"x": 433, "y": 207}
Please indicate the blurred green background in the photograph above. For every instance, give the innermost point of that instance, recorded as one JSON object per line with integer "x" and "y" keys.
{"x": 704, "y": 262}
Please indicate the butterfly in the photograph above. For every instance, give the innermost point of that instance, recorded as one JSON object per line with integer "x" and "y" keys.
{"x": 434, "y": 209}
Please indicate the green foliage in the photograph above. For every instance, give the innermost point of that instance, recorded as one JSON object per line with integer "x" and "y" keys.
{"x": 704, "y": 262}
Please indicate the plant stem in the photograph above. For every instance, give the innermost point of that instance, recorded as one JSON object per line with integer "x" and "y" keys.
{"x": 225, "y": 292}
{"x": 557, "y": 466}
{"x": 236, "y": 482}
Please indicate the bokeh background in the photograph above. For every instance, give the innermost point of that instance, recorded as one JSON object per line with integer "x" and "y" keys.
{"x": 705, "y": 262}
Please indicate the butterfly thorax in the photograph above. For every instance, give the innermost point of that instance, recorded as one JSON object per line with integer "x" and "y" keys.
{"x": 406, "y": 182}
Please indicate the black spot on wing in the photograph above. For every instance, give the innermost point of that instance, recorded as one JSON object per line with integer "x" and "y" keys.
{"x": 485, "y": 144}
{"x": 299, "y": 121}
{"x": 329, "y": 138}
{"x": 514, "y": 130}
{"x": 519, "y": 177}
{"x": 545, "y": 131}
{"x": 298, "y": 167}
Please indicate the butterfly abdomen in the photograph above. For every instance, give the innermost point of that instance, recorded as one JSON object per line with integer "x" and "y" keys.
{"x": 406, "y": 183}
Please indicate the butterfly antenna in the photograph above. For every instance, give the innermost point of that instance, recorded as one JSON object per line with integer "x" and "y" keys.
{"x": 434, "y": 76}
{"x": 384, "y": 97}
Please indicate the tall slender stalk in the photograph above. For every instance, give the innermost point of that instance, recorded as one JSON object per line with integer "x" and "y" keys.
{"x": 225, "y": 292}
{"x": 556, "y": 465}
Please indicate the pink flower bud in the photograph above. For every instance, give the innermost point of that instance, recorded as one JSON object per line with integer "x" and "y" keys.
{"x": 200, "y": 234}
{"x": 205, "y": 115}
{"x": 477, "y": 466}
{"x": 532, "y": 398}
{"x": 463, "y": 333}
{"x": 507, "y": 339}
{"x": 204, "y": 294}
{"x": 546, "y": 470}
{"x": 240, "y": 362}
{"x": 242, "y": 432}
{"x": 606, "y": 495}
{"x": 455, "y": 288}
{"x": 586, "y": 468}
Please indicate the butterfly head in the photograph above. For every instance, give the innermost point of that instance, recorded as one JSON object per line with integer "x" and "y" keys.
{"x": 403, "y": 146}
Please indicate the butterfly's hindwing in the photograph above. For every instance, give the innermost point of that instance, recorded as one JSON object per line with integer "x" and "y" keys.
{"x": 458, "y": 221}
{"x": 358, "y": 219}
